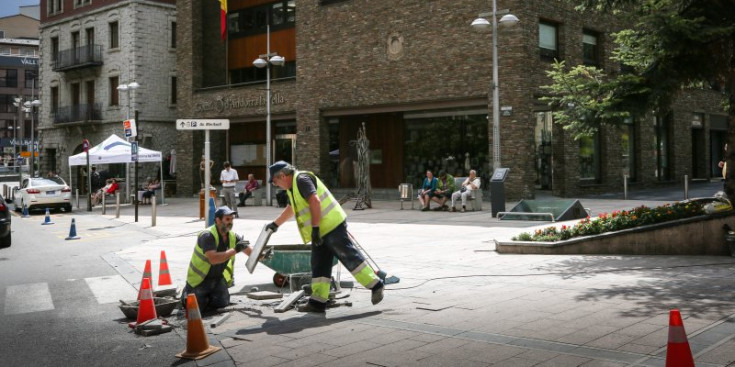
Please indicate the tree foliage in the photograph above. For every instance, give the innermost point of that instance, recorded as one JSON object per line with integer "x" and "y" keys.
{"x": 670, "y": 45}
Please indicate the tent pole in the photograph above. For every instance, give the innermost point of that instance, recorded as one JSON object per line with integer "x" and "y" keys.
{"x": 163, "y": 192}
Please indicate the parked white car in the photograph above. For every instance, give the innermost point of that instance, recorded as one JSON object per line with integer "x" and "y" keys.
{"x": 42, "y": 193}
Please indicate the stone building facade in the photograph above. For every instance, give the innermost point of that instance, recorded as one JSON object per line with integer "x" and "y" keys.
{"x": 419, "y": 78}
{"x": 90, "y": 48}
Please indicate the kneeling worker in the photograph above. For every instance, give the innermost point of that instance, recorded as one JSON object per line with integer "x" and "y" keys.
{"x": 212, "y": 266}
{"x": 322, "y": 221}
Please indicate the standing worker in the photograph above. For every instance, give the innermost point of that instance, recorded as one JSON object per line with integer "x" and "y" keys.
{"x": 229, "y": 179}
{"x": 212, "y": 266}
{"x": 322, "y": 221}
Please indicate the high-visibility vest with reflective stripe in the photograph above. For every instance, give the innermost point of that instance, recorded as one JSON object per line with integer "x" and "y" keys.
{"x": 199, "y": 265}
{"x": 332, "y": 213}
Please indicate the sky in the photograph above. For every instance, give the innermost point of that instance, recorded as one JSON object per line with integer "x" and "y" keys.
{"x": 10, "y": 7}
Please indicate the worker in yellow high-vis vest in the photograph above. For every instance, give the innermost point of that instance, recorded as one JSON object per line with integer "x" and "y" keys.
{"x": 212, "y": 267}
{"x": 322, "y": 221}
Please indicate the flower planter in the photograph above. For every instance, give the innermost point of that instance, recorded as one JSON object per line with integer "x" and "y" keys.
{"x": 701, "y": 235}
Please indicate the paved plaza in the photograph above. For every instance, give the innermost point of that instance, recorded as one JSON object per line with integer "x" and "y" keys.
{"x": 459, "y": 303}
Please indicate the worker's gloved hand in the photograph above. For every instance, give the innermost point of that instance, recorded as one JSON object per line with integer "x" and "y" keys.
{"x": 272, "y": 226}
{"x": 316, "y": 239}
{"x": 241, "y": 245}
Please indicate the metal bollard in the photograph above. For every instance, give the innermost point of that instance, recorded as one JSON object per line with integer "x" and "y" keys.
{"x": 625, "y": 187}
{"x": 686, "y": 187}
{"x": 104, "y": 206}
{"x": 117, "y": 204}
{"x": 153, "y": 210}
{"x": 77, "y": 192}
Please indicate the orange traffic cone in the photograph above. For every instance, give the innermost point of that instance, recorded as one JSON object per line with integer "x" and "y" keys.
{"x": 146, "y": 274}
{"x": 197, "y": 345}
{"x": 146, "y": 305}
{"x": 164, "y": 278}
{"x": 678, "y": 353}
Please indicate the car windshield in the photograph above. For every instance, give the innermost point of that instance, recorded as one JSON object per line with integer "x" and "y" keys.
{"x": 52, "y": 181}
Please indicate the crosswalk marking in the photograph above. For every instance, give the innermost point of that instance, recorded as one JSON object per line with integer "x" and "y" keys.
{"x": 26, "y": 298}
{"x": 110, "y": 289}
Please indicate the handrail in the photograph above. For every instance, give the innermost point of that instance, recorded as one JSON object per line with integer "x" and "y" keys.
{"x": 551, "y": 215}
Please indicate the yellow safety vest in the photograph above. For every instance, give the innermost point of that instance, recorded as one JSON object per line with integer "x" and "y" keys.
{"x": 199, "y": 265}
{"x": 332, "y": 213}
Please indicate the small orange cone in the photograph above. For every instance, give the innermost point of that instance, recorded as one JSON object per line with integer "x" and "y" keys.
{"x": 146, "y": 305}
{"x": 146, "y": 274}
{"x": 678, "y": 353}
{"x": 197, "y": 345}
{"x": 164, "y": 278}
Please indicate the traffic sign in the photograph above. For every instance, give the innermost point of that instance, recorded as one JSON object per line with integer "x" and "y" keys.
{"x": 133, "y": 151}
{"x": 202, "y": 124}
{"x": 129, "y": 128}
{"x": 85, "y": 145}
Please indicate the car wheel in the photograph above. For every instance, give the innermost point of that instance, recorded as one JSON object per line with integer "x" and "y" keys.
{"x": 5, "y": 241}
{"x": 67, "y": 208}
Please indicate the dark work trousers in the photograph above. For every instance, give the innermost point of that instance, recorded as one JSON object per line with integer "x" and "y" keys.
{"x": 336, "y": 243}
{"x": 211, "y": 294}
{"x": 244, "y": 196}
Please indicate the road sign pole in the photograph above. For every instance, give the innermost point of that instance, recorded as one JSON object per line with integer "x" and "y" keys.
{"x": 206, "y": 125}
{"x": 207, "y": 177}
{"x": 85, "y": 144}
{"x": 135, "y": 188}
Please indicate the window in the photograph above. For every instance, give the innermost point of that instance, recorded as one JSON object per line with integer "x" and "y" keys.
{"x": 6, "y": 103}
{"x": 54, "y": 99}
{"x": 114, "y": 37}
{"x": 90, "y": 36}
{"x": 173, "y": 34}
{"x": 55, "y": 6}
{"x": 548, "y": 40}
{"x": 590, "y": 49}
{"x": 173, "y": 90}
{"x": 661, "y": 147}
{"x": 114, "y": 82}
{"x": 254, "y": 74}
{"x": 589, "y": 158}
{"x": 627, "y": 148}
{"x": 254, "y": 20}
{"x": 30, "y": 77}
{"x": 54, "y": 48}
{"x": 9, "y": 78}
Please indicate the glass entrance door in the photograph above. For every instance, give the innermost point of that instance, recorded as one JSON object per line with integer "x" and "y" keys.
{"x": 284, "y": 148}
{"x": 544, "y": 158}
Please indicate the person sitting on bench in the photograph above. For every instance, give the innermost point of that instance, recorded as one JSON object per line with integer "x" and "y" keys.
{"x": 251, "y": 186}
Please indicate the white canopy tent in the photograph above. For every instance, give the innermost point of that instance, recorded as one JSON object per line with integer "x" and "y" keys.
{"x": 115, "y": 149}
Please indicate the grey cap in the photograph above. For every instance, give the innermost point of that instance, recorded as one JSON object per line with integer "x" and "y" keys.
{"x": 275, "y": 168}
{"x": 222, "y": 211}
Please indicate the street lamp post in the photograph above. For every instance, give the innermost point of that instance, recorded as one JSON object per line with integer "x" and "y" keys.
{"x": 30, "y": 107}
{"x": 482, "y": 24}
{"x": 127, "y": 88}
{"x": 266, "y": 61}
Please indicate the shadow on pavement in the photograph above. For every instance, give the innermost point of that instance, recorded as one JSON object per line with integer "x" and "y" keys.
{"x": 696, "y": 285}
{"x": 276, "y": 326}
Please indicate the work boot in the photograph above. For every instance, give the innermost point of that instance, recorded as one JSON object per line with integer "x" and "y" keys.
{"x": 311, "y": 307}
{"x": 377, "y": 295}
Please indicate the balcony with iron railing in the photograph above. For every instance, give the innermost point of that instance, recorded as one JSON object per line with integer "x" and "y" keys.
{"x": 78, "y": 113}
{"x": 78, "y": 57}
